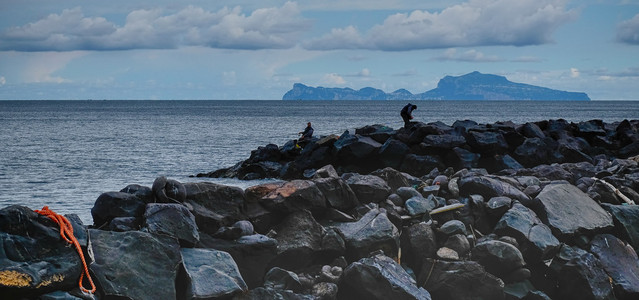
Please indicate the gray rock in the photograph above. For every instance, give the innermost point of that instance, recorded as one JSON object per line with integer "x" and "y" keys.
{"x": 299, "y": 238}
{"x": 168, "y": 190}
{"x": 337, "y": 192}
{"x": 584, "y": 278}
{"x": 459, "y": 243}
{"x": 499, "y": 258}
{"x": 453, "y": 227}
{"x": 327, "y": 171}
{"x": 407, "y": 192}
{"x": 568, "y": 211}
{"x": 497, "y": 206}
{"x": 626, "y": 219}
{"x": 620, "y": 262}
{"x": 210, "y": 274}
{"x": 446, "y": 253}
{"x": 378, "y": 277}
{"x": 111, "y": 205}
{"x": 392, "y": 153}
{"x": 374, "y": 231}
{"x": 295, "y": 195}
{"x": 280, "y": 279}
{"x": 418, "y": 205}
{"x": 214, "y": 205}
{"x": 491, "y": 187}
{"x": 396, "y": 179}
{"x": 368, "y": 188}
{"x": 324, "y": 291}
{"x": 128, "y": 263}
{"x": 418, "y": 242}
{"x": 174, "y": 220}
{"x": 261, "y": 293}
{"x": 463, "y": 280}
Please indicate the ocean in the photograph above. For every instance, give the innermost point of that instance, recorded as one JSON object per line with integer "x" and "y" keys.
{"x": 64, "y": 154}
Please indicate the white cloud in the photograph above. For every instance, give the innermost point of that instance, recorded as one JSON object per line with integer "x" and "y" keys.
{"x": 574, "y": 72}
{"x": 264, "y": 28}
{"x": 628, "y": 31}
{"x": 333, "y": 79}
{"x": 3, "y": 80}
{"x": 42, "y": 66}
{"x": 473, "y": 23}
{"x": 466, "y": 56}
{"x": 364, "y": 73}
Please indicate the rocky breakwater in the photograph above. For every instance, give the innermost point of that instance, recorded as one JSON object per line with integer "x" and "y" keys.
{"x": 540, "y": 231}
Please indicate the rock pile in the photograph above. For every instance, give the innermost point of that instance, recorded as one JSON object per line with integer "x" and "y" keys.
{"x": 544, "y": 231}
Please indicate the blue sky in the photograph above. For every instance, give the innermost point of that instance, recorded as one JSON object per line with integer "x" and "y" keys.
{"x": 84, "y": 49}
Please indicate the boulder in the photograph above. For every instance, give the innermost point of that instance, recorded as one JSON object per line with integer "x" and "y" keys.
{"x": 498, "y": 258}
{"x": 34, "y": 258}
{"x": 143, "y": 192}
{"x": 168, "y": 190}
{"x": 261, "y": 293}
{"x": 378, "y": 132}
{"x": 443, "y": 142}
{"x": 111, "y": 205}
{"x": 453, "y": 227}
{"x": 210, "y": 274}
{"x": 252, "y": 253}
{"x": 535, "y": 239}
{"x": 568, "y": 211}
{"x": 626, "y": 220}
{"x": 584, "y": 278}
{"x": 534, "y": 151}
{"x": 463, "y": 280}
{"x": 378, "y": 277}
{"x": 174, "y": 220}
{"x": 327, "y": 171}
{"x": 419, "y": 205}
{"x": 355, "y": 147}
{"x": 396, "y": 179}
{"x": 461, "y": 158}
{"x": 337, "y": 192}
{"x": 270, "y": 152}
{"x": 392, "y": 153}
{"x": 295, "y": 195}
{"x": 531, "y": 130}
{"x": 299, "y": 239}
{"x": 374, "y": 231}
{"x": 418, "y": 242}
{"x": 490, "y": 187}
{"x": 128, "y": 263}
{"x": 214, "y": 205}
{"x": 459, "y": 243}
{"x": 280, "y": 279}
{"x": 418, "y": 165}
{"x": 487, "y": 142}
{"x": 620, "y": 262}
{"x": 368, "y": 188}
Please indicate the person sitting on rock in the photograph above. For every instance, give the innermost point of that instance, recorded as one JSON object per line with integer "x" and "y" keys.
{"x": 307, "y": 135}
{"x": 406, "y": 114}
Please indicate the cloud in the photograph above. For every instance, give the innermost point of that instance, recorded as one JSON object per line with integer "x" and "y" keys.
{"x": 472, "y": 23}
{"x": 264, "y": 28}
{"x": 628, "y": 31}
{"x": 3, "y": 80}
{"x": 574, "y": 72}
{"x": 466, "y": 56}
{"x": 333, "y": 79}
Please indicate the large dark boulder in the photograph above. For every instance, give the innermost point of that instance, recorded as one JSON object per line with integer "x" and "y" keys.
{"x": 355, "y": 147}
{"x": 532, "y": 130}
{"x": 396, "y": 179}
{"x": 499, "y": 258}
{"x": 626, "y": 220}
{"x": 488, "y": 142}
{"x": 443, "y": 142}
{"x": 270, "y": 152}
{"x": 380, "y": 133}
{"x": 168, "y": 190}
{"x": 535, "y": 239}
{"x": 174, "y": 220}
{"x": 295, "y": 195}
{"x": 299, "y": 239}
{"x": 583, "y": 278}
{"x": 209, "y": 274}
{"x": 374, "y": 231}
{"x": 620, "y": 262}
{"x": 378, "y": 277}
{"x": 367, "y": 188}
{"x": 534, "y": 151}
{"x": 461, "y": 158}
{"x": 111, "y": 205}
{"x": 252, "y": 253}
{"x": 490, "y": 187}
{"x": 463, "y": 280}
{"x": 34, "y": 258}
{"x": 419, "y": 165}
{"x": 214, "y": 205}
{"x": 568, "y": 211}
{"x": 134, "y": 264}
{"x": 418, "y": 242}
{"x": 392, "y": 153}
{"x": 337, "y": 192}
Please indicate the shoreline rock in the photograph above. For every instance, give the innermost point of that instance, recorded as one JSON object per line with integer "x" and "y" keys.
{"x": 446, "y": 229}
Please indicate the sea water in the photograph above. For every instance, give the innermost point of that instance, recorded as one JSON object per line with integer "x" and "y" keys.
{"x": 64, "y": 154}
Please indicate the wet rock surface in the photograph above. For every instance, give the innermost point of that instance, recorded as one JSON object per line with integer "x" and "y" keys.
{"x": 540, "y": 210}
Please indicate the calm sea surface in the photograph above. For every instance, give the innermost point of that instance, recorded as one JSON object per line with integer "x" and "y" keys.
{"x": 64, "y": 154}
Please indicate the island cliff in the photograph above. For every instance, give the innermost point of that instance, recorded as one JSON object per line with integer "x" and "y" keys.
{"x": 472, "y": 86}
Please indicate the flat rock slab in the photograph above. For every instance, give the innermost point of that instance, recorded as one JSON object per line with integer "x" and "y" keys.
{"x": 134, "y": 264}
{"x": 374, "y": 231}
{"x": 568, "y": 211}
{"x": 620, "y": 262}
{"x": 211, "y": 274}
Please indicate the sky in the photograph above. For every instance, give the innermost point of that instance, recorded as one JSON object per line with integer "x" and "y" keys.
{"x": 201, "y": 49}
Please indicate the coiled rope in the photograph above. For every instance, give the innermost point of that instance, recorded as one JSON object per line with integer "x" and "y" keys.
{"x": 66, "y": 232}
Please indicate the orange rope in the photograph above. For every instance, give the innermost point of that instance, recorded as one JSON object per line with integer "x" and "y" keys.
{"x": 66, "y": 232}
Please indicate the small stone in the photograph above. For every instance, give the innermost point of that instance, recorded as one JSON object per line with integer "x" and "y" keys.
{"x": 447, "y": 254}
{"x": 453, "y": 227}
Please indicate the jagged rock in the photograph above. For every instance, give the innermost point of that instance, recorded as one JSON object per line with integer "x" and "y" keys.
{"x": 355, "y": 147}
{"x": 280, "y": 279}
{"x": 499, "y": 258}
{"x": 620, "y": 262}
{"x": 531, "y": 130}
{"x": 443, "y": 142}
{"x": 463, "y": 280}
{"x": 270, "y": 152}
{"x": 487, "y": 142}
{"x": 534, "y": 151}
{"x": 419, "y": 205}
{"x": 418, "y": 242}
{"x": 374, "y": 231}
{"x": 295, "y": 195}
{"x": 461, "y": 158}
{"x": 128, "y": 264}
{"x": 252, "y": 253}
{"x": 568, "y": 211}
{"x": 33, "y": 256}
{"x": 327, "y": 171}
{"x": 143, "y": 192}
{"x": 497, "y": 206}
{"x": 111, "y": 205}
{"x": 535, "y": 238}
{"x": 210, "y": 274}
{"x": 626, "y": 220}
{"x": 490, "y": 187}
{"x": 396, "y": 179}
{"x": 367, "y": 188}
{"x": 378, "y": 277}
{"x": 299, "y": 239}
{"x": 584, "y": 278}
{"x": 392, "y": 153}
{"x": 337, "y": 192}
{"x": 168, "y": 190}
{"x": 214, "y": 205}
{"x": 418, "y": 165}
{"x": 378, "y": 132}
{"x": 174, "y": 220}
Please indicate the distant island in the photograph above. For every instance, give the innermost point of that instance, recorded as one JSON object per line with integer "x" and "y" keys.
{"x": 472, "y": 86}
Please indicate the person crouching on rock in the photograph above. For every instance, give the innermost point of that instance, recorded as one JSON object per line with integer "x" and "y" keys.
{"x": 406, "y": 114}
{"x": 307, "y": 135}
